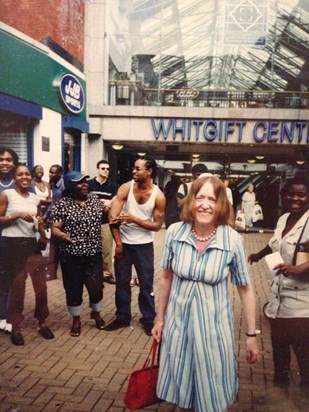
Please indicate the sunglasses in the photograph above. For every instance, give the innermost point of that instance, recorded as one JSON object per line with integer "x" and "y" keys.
{"x": 104, "y": 168}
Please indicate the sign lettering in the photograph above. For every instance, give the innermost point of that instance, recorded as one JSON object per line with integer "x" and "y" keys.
{"x": 231, "y": 131}
{"x": 72, "y": 93}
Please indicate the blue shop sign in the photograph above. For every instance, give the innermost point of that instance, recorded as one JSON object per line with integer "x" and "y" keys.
{"x": 72, "y": 93}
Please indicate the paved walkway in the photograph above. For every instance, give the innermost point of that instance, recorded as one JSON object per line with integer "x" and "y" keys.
{"x": 90, "y": 373}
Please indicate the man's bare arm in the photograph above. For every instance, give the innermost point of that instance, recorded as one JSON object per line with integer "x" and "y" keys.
{"x": 113, "y": 214}
{"x": 158, "y": 216}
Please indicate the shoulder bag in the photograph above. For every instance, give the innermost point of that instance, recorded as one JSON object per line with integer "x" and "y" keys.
{"x": 301, "y": 254}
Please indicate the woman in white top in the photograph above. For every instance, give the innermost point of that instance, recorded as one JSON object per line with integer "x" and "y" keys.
{"x": 20, "y": 216}
{"x": 248, "y": 202}
{"x": 288, "y": 308}
{"x": 42, "y": 189}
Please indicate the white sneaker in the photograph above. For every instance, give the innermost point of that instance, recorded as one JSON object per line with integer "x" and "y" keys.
{"x": 8, "y": 328}
{"x": 3, "y": 324}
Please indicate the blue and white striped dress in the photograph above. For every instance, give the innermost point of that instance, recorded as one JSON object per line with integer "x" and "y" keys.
{"x": 198, "y": 359}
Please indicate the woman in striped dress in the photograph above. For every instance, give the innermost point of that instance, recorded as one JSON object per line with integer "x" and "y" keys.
{"x": 195, "y": 319}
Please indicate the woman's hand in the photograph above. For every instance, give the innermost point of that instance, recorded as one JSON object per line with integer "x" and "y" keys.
{"x": 252, "y": 351}
{"x": 287, "y": 270}
{"x": 118, "y": 250}
{"x": 157, "y": 330}
{"x": 253, "y": 258}
{"x": 26, "y": 216}
{"x": 42, "y": 242}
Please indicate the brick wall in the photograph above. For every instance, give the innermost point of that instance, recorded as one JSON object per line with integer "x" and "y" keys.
{"x": 62, "y": 21}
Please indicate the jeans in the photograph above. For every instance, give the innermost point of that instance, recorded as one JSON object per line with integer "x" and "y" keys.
{"x": 4, "y": 292}
{"x": 142, "y": 257}
{"x": 20, "y": 258}
{"x": 78, "y": 271}
{"x": 286, "y": 332}
{"x": 5, "y": 282}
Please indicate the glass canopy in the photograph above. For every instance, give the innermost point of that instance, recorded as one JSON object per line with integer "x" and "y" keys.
{"x": 209, "y": 44}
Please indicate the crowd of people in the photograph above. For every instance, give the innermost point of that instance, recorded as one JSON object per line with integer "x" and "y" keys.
{"x": 81, "y": 221}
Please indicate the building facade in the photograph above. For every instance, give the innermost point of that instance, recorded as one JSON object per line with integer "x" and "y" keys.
{"x": 42, "y": 84}
{"x": 222, "y": 83}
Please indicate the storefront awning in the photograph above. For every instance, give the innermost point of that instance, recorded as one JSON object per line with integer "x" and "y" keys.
{"x": 14, "y": 105}
{"x": 76, "y": 123}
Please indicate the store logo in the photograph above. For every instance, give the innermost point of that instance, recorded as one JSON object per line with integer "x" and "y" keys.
{"x": 72, "y": 93}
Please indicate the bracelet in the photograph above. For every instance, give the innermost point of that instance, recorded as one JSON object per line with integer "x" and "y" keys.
{"x": 251, "y": 335}
{"x": 114, "y": 225}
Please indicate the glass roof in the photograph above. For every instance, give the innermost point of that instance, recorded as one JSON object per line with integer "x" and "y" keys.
{"x": 210, "y": 44}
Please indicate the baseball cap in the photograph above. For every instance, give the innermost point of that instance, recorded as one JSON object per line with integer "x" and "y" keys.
{"x": 74, "y": 177}
{"x": 199, "y": 168}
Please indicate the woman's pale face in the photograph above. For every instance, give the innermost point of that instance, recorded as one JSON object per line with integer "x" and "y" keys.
{"x": 250, "y": 188}
{"x": 205, "y": 205}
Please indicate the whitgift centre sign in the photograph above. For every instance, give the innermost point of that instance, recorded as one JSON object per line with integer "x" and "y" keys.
{"x": 231, "y": 131}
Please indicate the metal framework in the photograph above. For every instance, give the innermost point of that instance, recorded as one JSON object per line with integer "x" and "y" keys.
{"x": 211, "y": 44}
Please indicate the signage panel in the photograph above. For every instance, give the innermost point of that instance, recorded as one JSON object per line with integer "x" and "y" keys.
{"x": 72, "y": 93}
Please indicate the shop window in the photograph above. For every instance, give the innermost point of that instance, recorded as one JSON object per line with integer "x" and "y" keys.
{"x": 14, "y": 133}
{"x": 72, "y": 150}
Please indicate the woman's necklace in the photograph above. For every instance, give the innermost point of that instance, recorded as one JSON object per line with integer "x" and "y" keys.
{"x": 81, "y": 202}
{"x": 204, "y": 239}
{"x": 8, "y": 184}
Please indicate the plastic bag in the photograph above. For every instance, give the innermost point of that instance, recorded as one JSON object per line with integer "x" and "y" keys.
{"x": 257, "y": 213}
{"x": 240, "y": 222}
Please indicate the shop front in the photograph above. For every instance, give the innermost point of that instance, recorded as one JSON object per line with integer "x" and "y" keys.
{"x": 42, "y": 103}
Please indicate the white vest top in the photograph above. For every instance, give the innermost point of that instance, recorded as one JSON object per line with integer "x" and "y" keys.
{"x": 17, "y": 204}
{"x": 133, "y": 233}
{"x": 42, "y": 195}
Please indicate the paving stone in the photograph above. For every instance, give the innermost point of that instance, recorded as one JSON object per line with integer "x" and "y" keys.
{"x": 90, "y": 373}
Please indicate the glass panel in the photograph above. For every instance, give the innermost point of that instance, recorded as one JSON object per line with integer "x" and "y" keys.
{"x": 205, "y": 45}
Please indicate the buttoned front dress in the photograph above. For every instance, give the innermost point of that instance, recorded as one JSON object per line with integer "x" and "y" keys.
{"x": 198, "y": 360}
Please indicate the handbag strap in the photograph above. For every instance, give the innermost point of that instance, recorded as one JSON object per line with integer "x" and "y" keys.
{"x": 153, "y": 357}
{"x": 299, "y": 240}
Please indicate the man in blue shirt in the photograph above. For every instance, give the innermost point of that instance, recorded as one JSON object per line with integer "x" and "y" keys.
{"x": 57, "y": 187}
{"x": 56, "y": 182}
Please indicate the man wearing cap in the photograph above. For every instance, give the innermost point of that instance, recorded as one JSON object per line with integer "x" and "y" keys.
{"x": 105, "y": 190}
{"x": 76, "y": 224}
{"x": 197, "y": 170}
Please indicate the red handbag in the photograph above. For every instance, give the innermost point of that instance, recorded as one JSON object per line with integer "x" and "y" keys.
{"x": 142, "y": 385}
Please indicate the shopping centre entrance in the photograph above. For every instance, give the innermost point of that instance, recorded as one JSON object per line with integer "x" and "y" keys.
{"x": 266, "y": 167}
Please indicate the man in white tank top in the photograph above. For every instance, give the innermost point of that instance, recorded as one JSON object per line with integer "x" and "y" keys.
{"x": 136, "y": 213}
